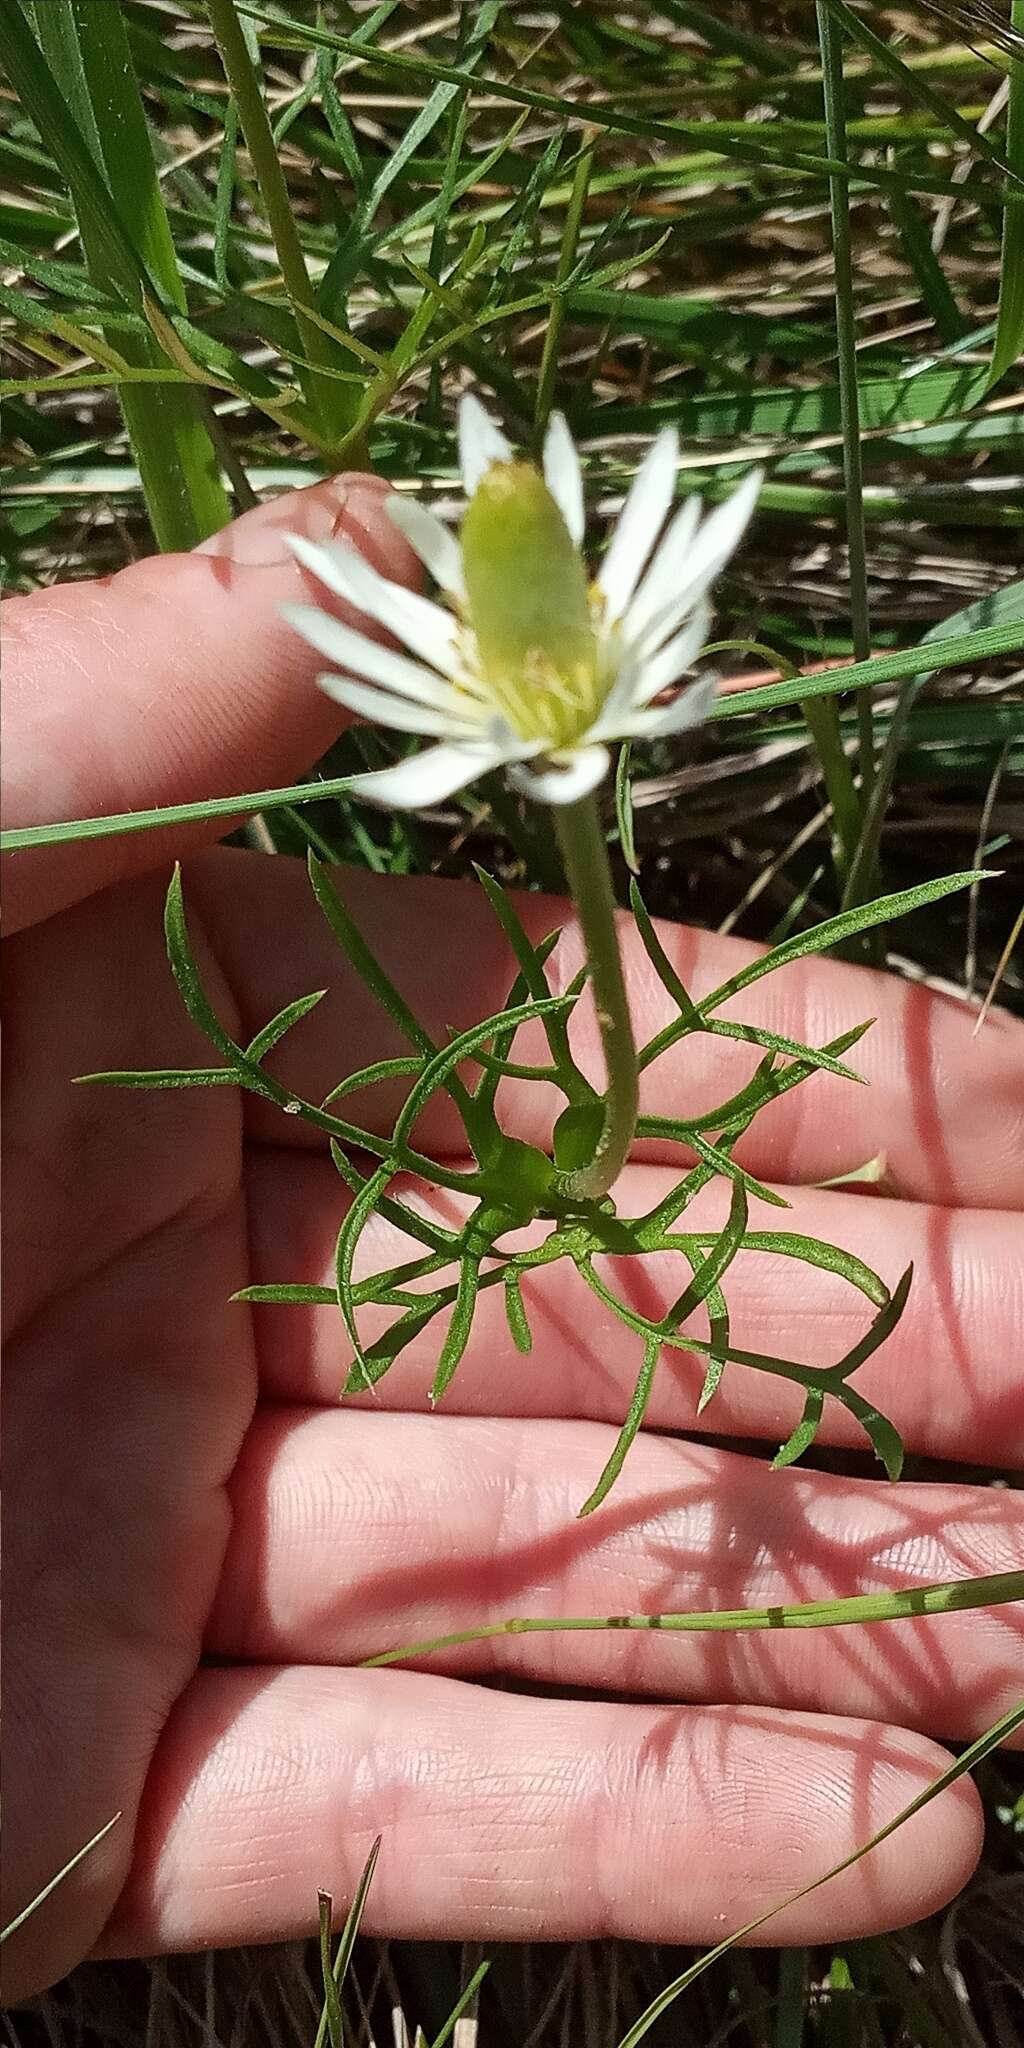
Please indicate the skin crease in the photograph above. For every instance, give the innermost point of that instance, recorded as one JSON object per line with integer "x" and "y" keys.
{"x": 200, "y": 1545}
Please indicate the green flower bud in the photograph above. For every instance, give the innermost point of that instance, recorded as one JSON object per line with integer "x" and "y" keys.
{"x": 529, "y": 606}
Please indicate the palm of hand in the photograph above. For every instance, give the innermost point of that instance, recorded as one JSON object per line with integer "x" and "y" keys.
{"x": 130, "y": 1384}
{"x": 137, "y": 1444}
{"x": 200, "y": 1544}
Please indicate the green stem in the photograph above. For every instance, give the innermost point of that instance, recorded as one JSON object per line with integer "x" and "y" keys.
{"x": 556, "y": 317}
{"x": 77, "y": 82}
{"x": 588, "y": 874}
{"x": 326, "y": 395}
{"x": 951, "y": 1596}
{"x": 830, "y": 40}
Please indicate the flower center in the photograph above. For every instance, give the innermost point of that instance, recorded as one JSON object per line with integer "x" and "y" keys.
{"x": 528, "y": 604}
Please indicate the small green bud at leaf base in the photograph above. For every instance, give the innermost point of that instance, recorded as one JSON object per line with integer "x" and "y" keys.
{"x": 576, "y": 1134}
{"x": 517, "y": 1185}
{"x": 529, "y": 607}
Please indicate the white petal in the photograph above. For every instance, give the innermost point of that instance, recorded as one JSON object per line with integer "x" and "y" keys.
{"x": 667, "y": 570}
{"x": 480, "y": 442}
{"x": 363, "y": 657}
{"x": 621, "y": 698}
{"x": 639, "y": 523}
{"x": 715, "y": 541}
{"x": 585, "y": 768}
{"x": 657, "y": 671}
{"x": 642, "y": 678}
{"x": 382, "y": 707}
{"x": 436, "y": 547}
{"x": 427, "y": 778}
{"x": 426, "y": 628}
{"x": 563, "y": 476}
{"x": 689, "y": 708}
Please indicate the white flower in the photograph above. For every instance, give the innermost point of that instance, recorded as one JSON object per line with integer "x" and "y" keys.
{"x": 527, "y": 667}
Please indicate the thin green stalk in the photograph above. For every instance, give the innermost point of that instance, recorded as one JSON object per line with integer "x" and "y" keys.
{"x": 1006, "y": 637}
{"x": 588, "y": 874}
{"x": 822, "y": 715}
{"x": 49, "y": 1888}
{"x": 79, "y": 86}
{"x": 1010, "y": 326}
{"x": 331, "y": 399}
{"x": 566, "y": 260}
{"x": 830, "y": 42}
{"x": 952, "y": 1596}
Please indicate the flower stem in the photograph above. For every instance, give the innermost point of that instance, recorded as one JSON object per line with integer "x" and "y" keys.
{"x": 585, "y": 858}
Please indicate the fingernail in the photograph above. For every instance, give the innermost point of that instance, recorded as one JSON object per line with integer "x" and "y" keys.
{"x": 258, "y": 540}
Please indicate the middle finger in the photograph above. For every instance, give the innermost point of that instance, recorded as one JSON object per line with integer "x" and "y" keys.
{"x": 948, "y": 1376}
{"x": 355, "y": 1533}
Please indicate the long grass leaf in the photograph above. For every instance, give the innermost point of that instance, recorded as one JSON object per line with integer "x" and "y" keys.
{"x": 111, "y": 176}
{"x": 1009, "y": 341}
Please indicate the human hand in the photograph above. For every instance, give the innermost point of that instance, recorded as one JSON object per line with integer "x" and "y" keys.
{"x": 202, "y": 1545}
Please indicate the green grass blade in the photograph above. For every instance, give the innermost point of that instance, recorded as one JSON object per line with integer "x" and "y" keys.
{"x": 831, "y": 45}
{"x": 111, "y": 176}
{"x": 1005, "y": 606}
{"x": 49, "y": 1888}
{"x": 332, "y": 2018}
{"x": 566, "y": 263}
{"x": 741, "y": 147}
{"x": 1009, "y": 341}
{"x": 464, "y": 2002}
{"x": 347, "y": 1940}
{"x": 336, "y": 403}
{"x": 933, "y": 284}
{"x": 950, "y": 1596}
{"x": 912, "y": 80}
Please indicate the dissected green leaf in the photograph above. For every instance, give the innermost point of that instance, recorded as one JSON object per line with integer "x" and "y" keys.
{"x": 458, "y": 1332}
{"x": 637, "y": 1411}
{"x": 835, "y": 930}
{"x": 278, "y": 1026}
{"x": 515, "y": 1313}
{"x": 164, "y": 1077}
{"x": 805, "y": 1432}
{"x": 186, "y": 973}
{"x": 884, "y": 1324}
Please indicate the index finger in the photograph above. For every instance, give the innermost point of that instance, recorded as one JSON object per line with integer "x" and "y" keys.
{"x": 174, "y": 680}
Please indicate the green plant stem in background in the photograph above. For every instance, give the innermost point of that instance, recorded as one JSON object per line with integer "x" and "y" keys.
{"x": 80, "y": 88}
{"x": 1005, "y": 637}
{"x": 333, "y": 402}
{"x": 587, "y": 872}
{"x": 566, "y": 259}
{"x": 830, "y": 41}
{"x": 1009, "y": 339}
{"x": 822, "y": 715}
